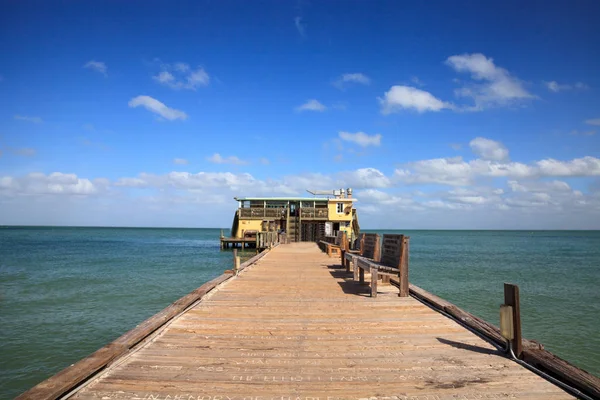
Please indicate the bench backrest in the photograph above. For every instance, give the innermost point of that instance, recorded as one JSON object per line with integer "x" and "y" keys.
{"x": 370, "y": 246}
{"x": 392, "y": 250}
{"x": 338, "y": 238}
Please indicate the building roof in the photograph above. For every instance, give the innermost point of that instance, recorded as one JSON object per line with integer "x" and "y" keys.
{"x": 288, "y": 198}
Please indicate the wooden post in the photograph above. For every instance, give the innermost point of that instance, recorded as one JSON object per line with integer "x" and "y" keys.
{"x": 221, "y": 232}
{"x": 374, "y": 277}
{"x": 511, "y": 298}
{"x": 361, "y": 244}
{"x": 361, "y": 274}
{"x": 355, "y": 268}
{"x": 377, "y": 250}
{"x": 235, "y": 257}
{"x": 403, "y": 275}
{"x": 343, "y": 247}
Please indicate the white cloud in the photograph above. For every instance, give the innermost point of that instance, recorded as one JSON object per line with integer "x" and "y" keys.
{"x": 556, "y": 87}
{"x": 539, "y": 186}
{"x": 300, "y": 26}
{"x": 407, "y": 97}
{"x": 361, "y": 138}
{"x": 169, "y": 199}
{"x": 594, "y": 121}
{"x": 218, "y": 159}
{"x": 488, "y": 149}
{"x": 311, "y": 105}
{"x": 180, "y": 161}
{"x": 157, "y": 107}
{"x": 457, "y": 172}
{"x": 356, "y": 77}
{"x": 363, "y": 178}
{"x": 97, "y": 66}
{"x": 132, "y": 182}
{"x": 498, "y": 86}
{"x": 181, "y": 76}
{"x": 35, "y": 120}
{"x": 57, "y": 183}
{"x": 585, "y": 166}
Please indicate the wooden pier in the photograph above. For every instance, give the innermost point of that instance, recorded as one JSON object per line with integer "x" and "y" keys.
{"x": 296, "y": 326}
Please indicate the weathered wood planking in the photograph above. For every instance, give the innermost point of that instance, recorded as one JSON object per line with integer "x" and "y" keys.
{"x": 371, "y": 246}
{"x": 294, "y": 327}
{"x": 392, "y": 246}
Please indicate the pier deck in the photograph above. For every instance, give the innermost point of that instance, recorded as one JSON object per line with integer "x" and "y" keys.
{"x": 294, "y": 327}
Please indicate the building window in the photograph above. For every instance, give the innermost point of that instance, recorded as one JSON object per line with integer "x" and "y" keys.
{"x": 340, "y": 208}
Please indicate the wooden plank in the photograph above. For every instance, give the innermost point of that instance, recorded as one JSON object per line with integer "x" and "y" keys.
{"x": 391, "y": 250}
{"x": 564, "y": 371}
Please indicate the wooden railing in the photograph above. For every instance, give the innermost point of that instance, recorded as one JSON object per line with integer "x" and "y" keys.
{"x": 394, "y": 251}
{"x": 265, "y": 240}
{"x": 305, "y": 213}
{"x": 260, "y": 213}
{"x": 313, "y": 213}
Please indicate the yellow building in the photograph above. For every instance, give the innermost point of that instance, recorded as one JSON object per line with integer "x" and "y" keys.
{"x": 305, "y": 219}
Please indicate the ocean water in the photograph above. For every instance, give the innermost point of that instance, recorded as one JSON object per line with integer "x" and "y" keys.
{"x": 65, "y": 292}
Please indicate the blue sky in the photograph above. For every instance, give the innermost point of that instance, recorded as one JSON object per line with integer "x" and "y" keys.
{"x": 439, "y": 115}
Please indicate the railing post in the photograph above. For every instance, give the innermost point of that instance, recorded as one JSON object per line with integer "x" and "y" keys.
{"x": 377, "y": 250}
{"x": 343, "y": 247}
{"x": 236, "y": 262}
{"x": 403, "y": 275}
{"x": 511, "y": 298}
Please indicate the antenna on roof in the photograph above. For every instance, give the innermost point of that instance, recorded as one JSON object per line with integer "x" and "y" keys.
{"x": 321, "y": 192}
{"x": 338, "y": 194}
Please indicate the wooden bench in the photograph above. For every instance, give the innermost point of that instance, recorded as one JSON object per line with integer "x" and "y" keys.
{"x": 334, "y": 248}
{"x": 393, "y": 262}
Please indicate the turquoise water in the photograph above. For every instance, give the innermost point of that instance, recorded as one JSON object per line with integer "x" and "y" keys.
{"x": 65, "y": 292}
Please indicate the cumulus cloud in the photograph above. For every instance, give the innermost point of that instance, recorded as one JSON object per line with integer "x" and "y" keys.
{"x": 457, "y": 172}
{"x": 218, "y": 159}
{"x": 410, "y": 98}
{"x": 488, "y": 149}
{"x": 181, "y": 76}
{"x": 97, "y": 66}
{"x": 155, "y": 106}
{"x": 363, "y": 178}
{"x": 497, "y": 86}
{"x": 361, "y": 138}
{"x": 311, "y": 105}
{"x": 57, "y": 183}
{"x": 556, "y": 87}
{"x": 35, "y": 120}
{"x": 539, "y": 202}
{"x": 180, "y": 161}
